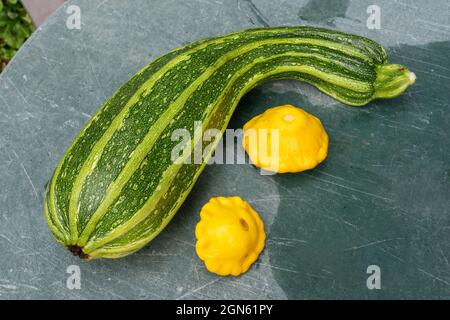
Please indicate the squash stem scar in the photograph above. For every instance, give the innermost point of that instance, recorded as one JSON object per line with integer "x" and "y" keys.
{"x": 78, "y": 252}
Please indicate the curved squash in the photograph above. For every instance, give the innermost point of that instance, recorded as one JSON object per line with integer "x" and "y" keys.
{"x": 117, "y": 187}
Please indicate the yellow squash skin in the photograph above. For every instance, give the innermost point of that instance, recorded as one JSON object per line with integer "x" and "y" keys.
{"x": 230, "y": 236}
{"x": 285, "y": 139}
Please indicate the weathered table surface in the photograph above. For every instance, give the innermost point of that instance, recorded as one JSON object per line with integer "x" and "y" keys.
{"x": 381, "y": 198}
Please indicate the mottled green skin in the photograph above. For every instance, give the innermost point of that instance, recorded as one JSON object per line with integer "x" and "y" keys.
{"x": 94, "y": 129}
{"x": 216, "y": 92}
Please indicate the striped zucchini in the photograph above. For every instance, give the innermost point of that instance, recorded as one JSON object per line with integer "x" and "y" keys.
{"x": 116, "y": 187}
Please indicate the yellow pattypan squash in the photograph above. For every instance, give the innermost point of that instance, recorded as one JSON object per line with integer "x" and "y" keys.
{"x": 285, "y": 139}
{"x": 230, "y": 236}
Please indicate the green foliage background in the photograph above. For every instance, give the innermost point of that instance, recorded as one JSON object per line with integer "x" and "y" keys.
{"x": 15, "y": 27}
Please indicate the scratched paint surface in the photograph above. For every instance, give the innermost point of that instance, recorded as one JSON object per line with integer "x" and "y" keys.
{"x": 382, "y": 197}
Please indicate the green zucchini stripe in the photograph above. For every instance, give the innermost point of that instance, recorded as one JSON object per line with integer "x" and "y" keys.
{"x": 116, "y": 187}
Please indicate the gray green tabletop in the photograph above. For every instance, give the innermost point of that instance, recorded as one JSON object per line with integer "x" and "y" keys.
{"x": 381, "y": 198}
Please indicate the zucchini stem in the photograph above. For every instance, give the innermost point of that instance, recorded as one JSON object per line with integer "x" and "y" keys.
{"x": 392, "y": 80}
